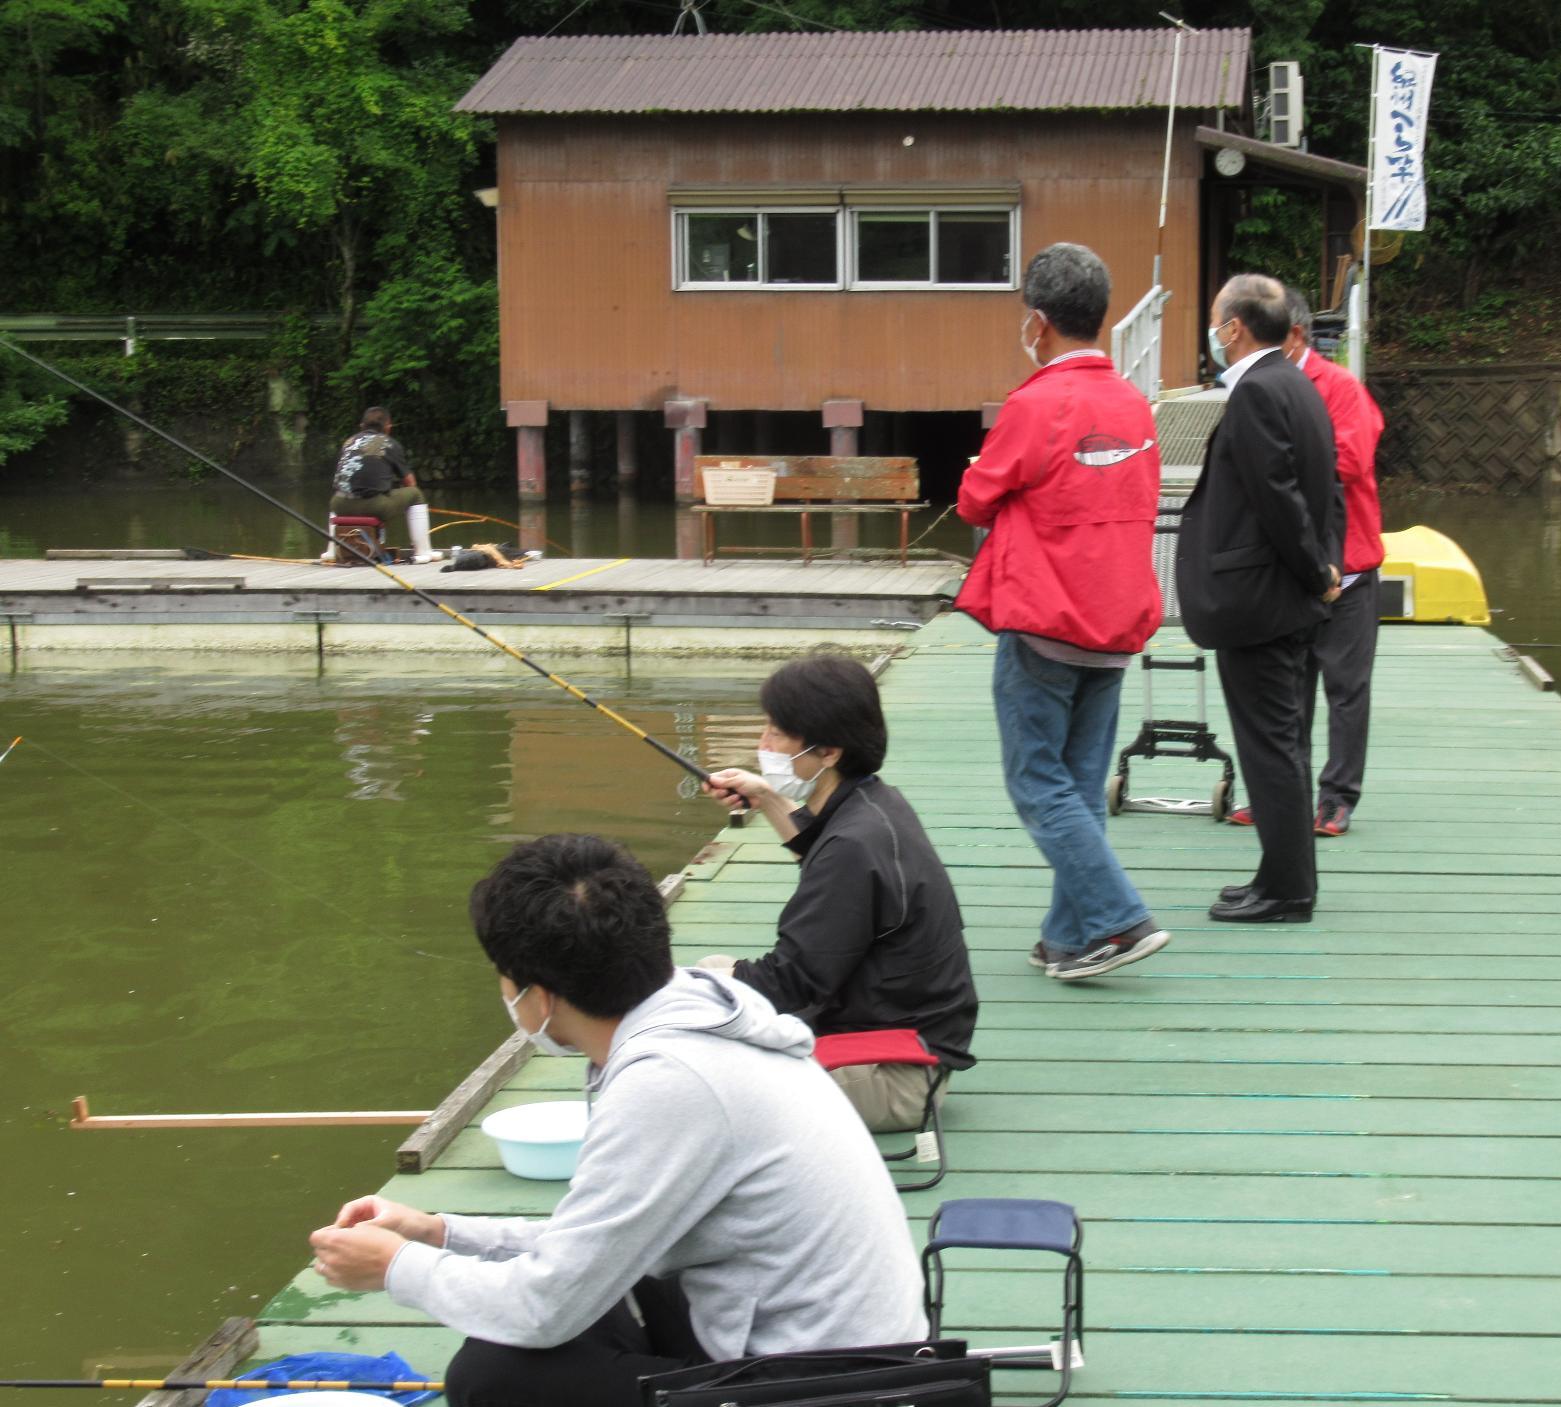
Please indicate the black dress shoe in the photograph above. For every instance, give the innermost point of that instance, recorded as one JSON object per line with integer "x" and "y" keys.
{"x": 1254, "y": 908}
{"x": 1236, "y": 893}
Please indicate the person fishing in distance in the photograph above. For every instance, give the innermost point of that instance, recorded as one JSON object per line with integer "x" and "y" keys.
{"x": 873, "y": 938}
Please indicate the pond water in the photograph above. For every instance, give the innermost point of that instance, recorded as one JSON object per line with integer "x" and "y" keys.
{"x": 243, "y": 888}
{"x": 1515, "y": 542}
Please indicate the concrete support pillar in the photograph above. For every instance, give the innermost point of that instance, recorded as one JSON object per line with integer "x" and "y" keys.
{"x": 690, "y": 535}
{"x": 533, "y": 527}
{"x": 528, "y": 419}
{"x": 579, "y": 454}
{"x": 686, "y": 418}
{"x": 628, "y": 451}
{"x": 843, "y": 420}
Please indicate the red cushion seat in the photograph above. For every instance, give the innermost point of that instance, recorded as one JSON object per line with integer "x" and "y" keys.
{"x": 901, "y": 1046}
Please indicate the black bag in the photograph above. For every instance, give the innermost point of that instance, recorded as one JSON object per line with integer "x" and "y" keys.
{"x": 935, "y": 1374}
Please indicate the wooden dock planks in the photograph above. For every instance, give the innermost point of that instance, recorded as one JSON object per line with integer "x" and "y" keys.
{"x": 1316, "y": 1162}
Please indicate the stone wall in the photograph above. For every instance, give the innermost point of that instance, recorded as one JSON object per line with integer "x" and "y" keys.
{"x": 1490, "y": 427}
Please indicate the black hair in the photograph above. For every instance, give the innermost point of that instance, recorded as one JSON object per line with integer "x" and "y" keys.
{"x": 1259, "y": 301}
{"x": 376, "y": 417}
{"x": 581, "y": 916}
{"x": 1299, "y": 309}
{"x": 829, "y": 701}
{"x": 1069, "y": 285}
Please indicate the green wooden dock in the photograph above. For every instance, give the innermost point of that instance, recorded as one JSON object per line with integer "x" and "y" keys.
{"x": 1315, "y": 1163}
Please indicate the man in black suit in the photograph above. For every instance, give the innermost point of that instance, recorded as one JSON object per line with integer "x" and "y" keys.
{"x": 1256, "y": 570}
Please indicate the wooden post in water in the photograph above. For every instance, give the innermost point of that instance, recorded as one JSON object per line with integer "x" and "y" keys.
{"x": 686, "y": 418}
{"x": 529, "y": 421}
{"x": 843, "y": 420}
{"x": 579, "y": 454}
{"x": 628, "y": 452}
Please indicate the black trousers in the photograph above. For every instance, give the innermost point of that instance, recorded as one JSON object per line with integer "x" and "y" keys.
{"x": 1264, "y": 694}
{"x": 599, "y": 1368}
{"x": 1343, "y": 654}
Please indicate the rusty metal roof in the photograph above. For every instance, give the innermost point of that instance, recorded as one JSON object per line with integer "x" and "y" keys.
{"x": 1027, "y": 70}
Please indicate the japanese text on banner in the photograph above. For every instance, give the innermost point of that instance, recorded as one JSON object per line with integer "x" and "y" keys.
{"x": 1398, "y": 137}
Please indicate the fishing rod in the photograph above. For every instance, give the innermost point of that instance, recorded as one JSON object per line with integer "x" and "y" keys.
{"x": 217, "y": 1384}
{"x": 687, "y": 764}
{"x": 458, "y": 516}
{"x": 11, "y": 749}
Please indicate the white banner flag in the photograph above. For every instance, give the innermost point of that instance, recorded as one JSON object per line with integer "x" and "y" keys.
{"x": 1399, "y": 123}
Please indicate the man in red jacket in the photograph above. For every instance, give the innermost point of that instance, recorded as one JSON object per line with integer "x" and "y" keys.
{"x": 1068, "y": 480}
{"x": 1346, "y": 645}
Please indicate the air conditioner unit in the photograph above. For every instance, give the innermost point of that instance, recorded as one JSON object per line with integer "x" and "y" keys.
{"x": 1285, "y": 103}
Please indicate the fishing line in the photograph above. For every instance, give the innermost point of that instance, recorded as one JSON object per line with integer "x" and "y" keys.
{"x": 459, "y": 516}
{"x": 687, "y": 764}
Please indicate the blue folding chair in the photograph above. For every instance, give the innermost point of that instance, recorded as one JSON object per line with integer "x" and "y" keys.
{"x": 1012, "y": 1224}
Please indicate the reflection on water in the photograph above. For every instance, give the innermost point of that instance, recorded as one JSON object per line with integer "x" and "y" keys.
{"x": 244, "y": 888}
{"x": 1515, "y": 542}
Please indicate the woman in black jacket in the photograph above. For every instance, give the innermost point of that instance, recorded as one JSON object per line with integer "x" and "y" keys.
{"x": 872, "y": 939}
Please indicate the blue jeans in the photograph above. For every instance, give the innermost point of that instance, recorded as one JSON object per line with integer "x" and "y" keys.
{"x": 1058, "y": 724}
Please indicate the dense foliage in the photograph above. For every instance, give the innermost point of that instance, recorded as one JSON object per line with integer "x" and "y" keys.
{"x": 303, "y": 156}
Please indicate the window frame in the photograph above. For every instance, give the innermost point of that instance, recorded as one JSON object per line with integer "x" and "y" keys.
{"x": 758, "y": 213}
{"x": 847, "y": 247}
{"x": 855, "y": 282}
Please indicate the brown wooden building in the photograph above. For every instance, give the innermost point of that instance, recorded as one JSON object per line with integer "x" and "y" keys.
{"x": 829, "y": 222}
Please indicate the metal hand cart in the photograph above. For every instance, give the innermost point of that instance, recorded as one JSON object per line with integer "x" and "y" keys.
{"x": 1184, "y": 425}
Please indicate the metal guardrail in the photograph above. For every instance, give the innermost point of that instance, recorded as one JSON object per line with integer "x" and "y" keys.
{"x": 150, "y": 327}
{"x": 1135, "y": 342}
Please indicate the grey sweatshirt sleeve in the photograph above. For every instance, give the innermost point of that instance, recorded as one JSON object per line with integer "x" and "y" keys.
{"x": 657, "y": 1157}
{"x": 491, "y": 1238}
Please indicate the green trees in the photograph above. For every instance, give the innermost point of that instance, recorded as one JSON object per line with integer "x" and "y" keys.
{"x": 303, "y": 156}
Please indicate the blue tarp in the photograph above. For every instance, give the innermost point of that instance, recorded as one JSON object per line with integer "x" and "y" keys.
{"x": 328, "y": 1367}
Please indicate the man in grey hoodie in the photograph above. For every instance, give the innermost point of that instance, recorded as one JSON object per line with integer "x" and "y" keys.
{"x": 725, "y": 1181}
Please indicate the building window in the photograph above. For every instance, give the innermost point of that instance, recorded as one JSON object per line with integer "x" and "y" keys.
{"x": 845, "y": 246}
{"x": 758, "y": 248}
{"x": 934, "y": 248}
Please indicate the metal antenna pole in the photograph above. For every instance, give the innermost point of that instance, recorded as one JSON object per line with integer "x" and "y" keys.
{"x": 1365, "y": 234}
{"x": 690, "y": 8}
{"x": 1182, "y": 27}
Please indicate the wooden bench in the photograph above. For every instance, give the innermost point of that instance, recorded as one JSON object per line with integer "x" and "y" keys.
{"x": 808, "y": 484}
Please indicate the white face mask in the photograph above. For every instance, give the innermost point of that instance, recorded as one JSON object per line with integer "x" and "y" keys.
{"x": 1218, "y": 352}
{"x": 1029, "y": 347}
{"x": 776, "y": 769}
{"x": 539, "y": 1038}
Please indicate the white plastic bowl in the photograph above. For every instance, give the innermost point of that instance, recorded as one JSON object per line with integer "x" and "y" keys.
{"x": 540, "y": 1141}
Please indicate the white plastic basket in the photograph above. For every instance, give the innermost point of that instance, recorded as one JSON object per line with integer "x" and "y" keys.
{"x": 740, "y": 488}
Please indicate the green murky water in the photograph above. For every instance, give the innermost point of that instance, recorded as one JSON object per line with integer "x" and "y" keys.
{"x": 245, "y": 890}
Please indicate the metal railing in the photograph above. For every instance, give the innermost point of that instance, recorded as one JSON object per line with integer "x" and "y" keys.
{"x": 150, "y": 327}
{"x": 1135, "y": 342}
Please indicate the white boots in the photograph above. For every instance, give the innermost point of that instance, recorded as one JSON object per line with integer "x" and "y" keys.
{"x": 417, "y": 530}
